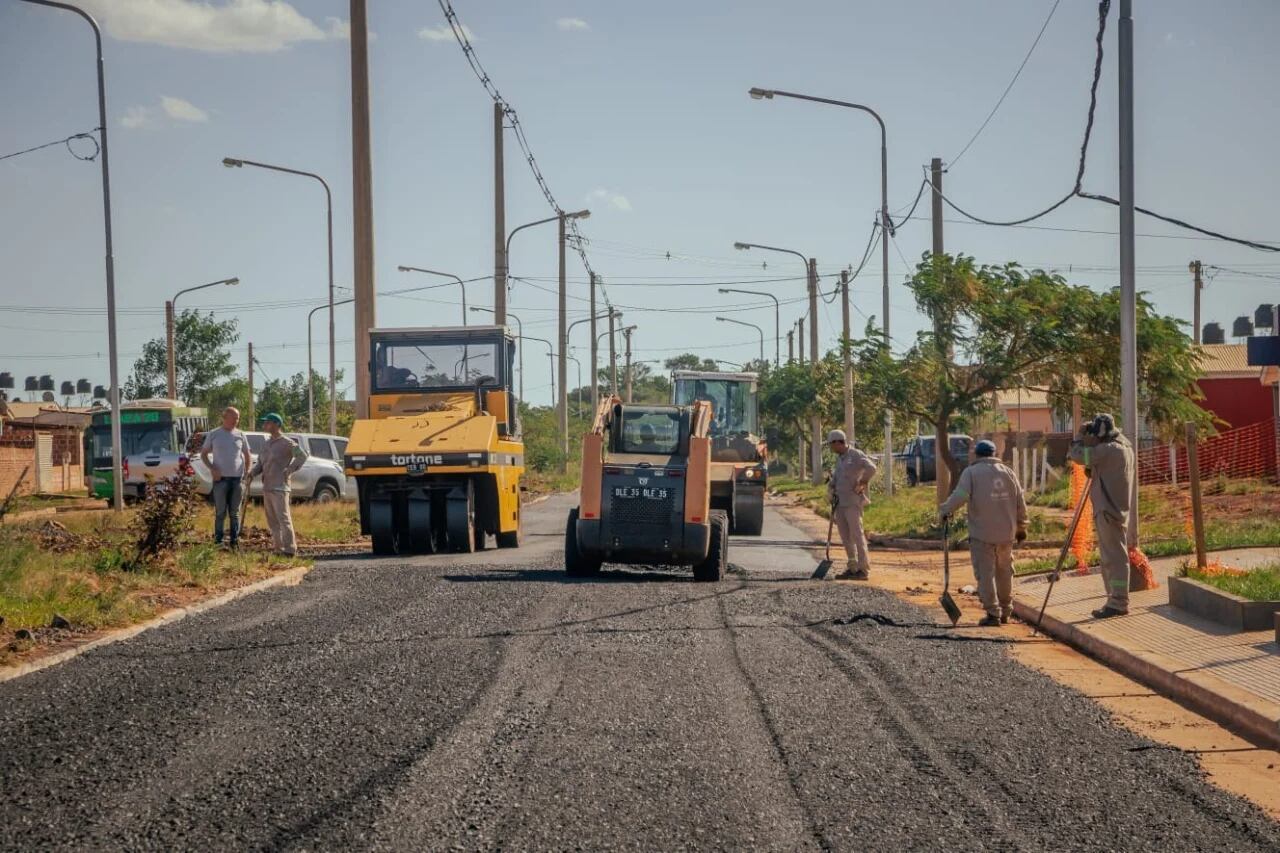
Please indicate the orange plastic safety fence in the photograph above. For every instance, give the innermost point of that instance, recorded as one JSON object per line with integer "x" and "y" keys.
{"x": 1242, "y": 453}
{"x": 1082, "y": 541}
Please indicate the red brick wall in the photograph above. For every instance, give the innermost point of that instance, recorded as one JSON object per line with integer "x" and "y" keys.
{"x": 14, "y": 456}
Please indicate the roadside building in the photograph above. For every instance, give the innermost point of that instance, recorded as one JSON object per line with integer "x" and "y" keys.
{"x": 41, "y": 447}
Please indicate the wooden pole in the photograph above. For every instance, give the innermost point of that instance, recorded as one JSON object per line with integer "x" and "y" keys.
{"x": 362, "y": 203}
{"x": 1197, "y": 506}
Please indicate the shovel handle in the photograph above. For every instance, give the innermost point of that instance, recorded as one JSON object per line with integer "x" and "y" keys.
{"x": 1062, "y": 555}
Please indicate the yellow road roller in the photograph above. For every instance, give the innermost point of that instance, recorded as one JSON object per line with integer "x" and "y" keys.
{"x": 439, "y": 458}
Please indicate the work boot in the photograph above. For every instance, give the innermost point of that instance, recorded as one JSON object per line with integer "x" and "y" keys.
{"x": 1004, "y": 617}
{"x": 989, "y": 621}
{"x": 861, "y": 574}
{"x": 1107, "y": 612}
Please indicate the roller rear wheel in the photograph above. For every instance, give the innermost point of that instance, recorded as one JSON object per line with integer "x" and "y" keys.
{"x": 460, "y": 518}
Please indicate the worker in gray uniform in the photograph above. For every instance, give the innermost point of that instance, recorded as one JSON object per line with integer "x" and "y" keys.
{"x": 1108, "y": 459}
{"x": 997, "y": 519}
{"x": 847, "y": 491}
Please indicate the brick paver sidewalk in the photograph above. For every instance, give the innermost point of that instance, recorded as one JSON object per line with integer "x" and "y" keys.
{"x": 1233, "y": 677}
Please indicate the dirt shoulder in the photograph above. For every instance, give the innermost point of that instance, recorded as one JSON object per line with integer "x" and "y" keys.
{"x": 1230, "y": 762}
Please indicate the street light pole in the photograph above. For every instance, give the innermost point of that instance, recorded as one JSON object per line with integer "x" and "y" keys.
{"x": 750, "y": 325}
{"x": 170, "y": 318}
{"x": 236, "y": 163}
{"x": 311, "y": 405}
{"x": 777, "y": 320}
{"x": 113, "y": 368}
{"x": 811, "y": 279}
{"x": 551, "y": 359}
{"x": 886, "y": 228}
{"x": 1128, "y": 284}
{"x": 460, "y": 282}
{"x": 519, "y": 335}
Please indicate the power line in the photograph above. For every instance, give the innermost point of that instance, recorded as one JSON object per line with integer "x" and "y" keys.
{"x": 1240, "y": 241}
{"x": 1007, "y": 89}
{"x": 460, "y": 35}
{"x": 1243, "y": 272}
{"x": 1104, "y": 7}
{"x": 67, "y": 142}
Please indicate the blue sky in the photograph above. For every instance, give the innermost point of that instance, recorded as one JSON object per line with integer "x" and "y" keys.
{"x": 638, "y": 111}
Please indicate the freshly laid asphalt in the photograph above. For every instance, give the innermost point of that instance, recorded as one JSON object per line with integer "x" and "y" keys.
{"x": 487, "y": 702}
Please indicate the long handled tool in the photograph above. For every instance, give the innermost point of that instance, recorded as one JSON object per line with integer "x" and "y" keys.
{"x": 948, "y": 603}
{"x": 825, "y": 566}
{"x": 1062, "y": 555}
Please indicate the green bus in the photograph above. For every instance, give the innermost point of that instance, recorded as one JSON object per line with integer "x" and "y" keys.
{"x": 148, "y": 428}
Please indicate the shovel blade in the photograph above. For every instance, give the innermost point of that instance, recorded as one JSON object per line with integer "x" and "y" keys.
{"x": 950, "y": 606}
{"x": 821, "y": 572}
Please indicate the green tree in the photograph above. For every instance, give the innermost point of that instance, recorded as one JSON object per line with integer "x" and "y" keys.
{"x": 999, "y": 327}
{"x": 202, "y": 351}
{"x": 690, "y": 361}
{"x": 288, "y": 398}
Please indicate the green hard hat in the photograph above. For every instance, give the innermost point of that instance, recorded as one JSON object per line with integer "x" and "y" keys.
{"x": 273, "y": 417}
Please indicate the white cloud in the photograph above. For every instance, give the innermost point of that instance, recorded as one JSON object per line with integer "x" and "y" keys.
{"x": 339, "y": 29}
{"x": 251, "y": 26}
{"x": 136, "y": 117}
{"x": 443, "y": 32}
{"x": 181, "y": 110}
{"x": 617, "y": 201}
{"x": 572, "y": 24}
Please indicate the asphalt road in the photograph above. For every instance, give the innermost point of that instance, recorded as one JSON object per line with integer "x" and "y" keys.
{"x": 487, "y": 702}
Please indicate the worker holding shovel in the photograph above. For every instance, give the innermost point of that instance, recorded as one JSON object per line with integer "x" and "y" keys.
{"x": 997, "y": 519}
{"x": 1108, "y": 458}
{"x": 847, "y": 491}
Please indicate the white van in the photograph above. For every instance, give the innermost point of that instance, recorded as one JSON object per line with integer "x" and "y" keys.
{"x": 320, "y": 478}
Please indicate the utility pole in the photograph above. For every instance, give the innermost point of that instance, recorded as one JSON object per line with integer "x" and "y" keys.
{"x": 499, "y": 222}
{"x": 169, "y": 332}
{"x": 253, "y": 406}
{"x": 562, "y": 362}
{"x": 791, "y": 345}
{"x": 1128, "y": 284}
{"x": 848, "y": 356}
{"x": 613, "y": 356}
{"x": 362, "y": 203}
{"x": 815, "y": 422}
{"x": 627, "y": 334}
{"x": 1196, "y": 270}
{"x": 595, "y": 349}
{"x": 800, "y": 339}
{"x": 942, "y": 476}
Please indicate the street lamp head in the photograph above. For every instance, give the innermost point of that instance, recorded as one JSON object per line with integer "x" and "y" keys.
{"x": 758, "y": 94}
{"x": 742, "y": 246}
{"x": 232, "y": 281}
{"x": 723, "y": 290}
{"x": 404, "y": 269}
{"x": 578, "y": 214}
{"x": 722, "y": 319}
{"x": 232, "y": 163}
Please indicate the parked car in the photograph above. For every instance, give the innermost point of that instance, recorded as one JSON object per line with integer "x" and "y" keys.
{"x": 921, "y": 461}
{"x": 321, "y": 477}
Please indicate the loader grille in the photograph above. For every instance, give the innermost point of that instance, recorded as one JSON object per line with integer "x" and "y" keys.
{"x": 624, "y": 511}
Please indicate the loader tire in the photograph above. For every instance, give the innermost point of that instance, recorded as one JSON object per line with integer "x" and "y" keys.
{"x": 716, "y": 563}
{"x": 576, "y": 563}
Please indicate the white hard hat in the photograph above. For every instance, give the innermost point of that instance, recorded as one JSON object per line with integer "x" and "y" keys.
{"x": 835, "y": 435}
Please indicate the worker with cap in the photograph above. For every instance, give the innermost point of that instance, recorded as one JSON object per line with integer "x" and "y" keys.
{"x": 1108, "y": 459}
{"x": 847, "y": 491}
{"x": 279, "y": 459}
{"x": 997, "y": 519}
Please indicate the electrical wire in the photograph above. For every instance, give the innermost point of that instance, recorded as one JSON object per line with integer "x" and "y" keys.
{"x": 89, "y": 135}
{"x": 460, "y": 35}
{"x": 1240, "y": 241}
{"x": 956, "y": 159}
{"x": 1104, "y": 7}
{"x": 1243, "y": 272}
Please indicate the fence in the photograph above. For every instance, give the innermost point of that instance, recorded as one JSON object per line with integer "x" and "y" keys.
{"x": 1247, "y": 452}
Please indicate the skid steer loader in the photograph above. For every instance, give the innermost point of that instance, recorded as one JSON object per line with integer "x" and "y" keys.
{"x": 646, "y": 489}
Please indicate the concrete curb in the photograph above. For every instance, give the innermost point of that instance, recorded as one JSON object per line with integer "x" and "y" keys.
{"x": 1253, "y": 717}
{"x": 289, "y": 577}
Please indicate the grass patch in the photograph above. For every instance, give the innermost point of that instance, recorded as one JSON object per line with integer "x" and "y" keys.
{"x": 85, "y": 575}
{"x": 1260, "y": 584}
{"x": 337, "y": 521}
{"x": 911, "y": 513}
